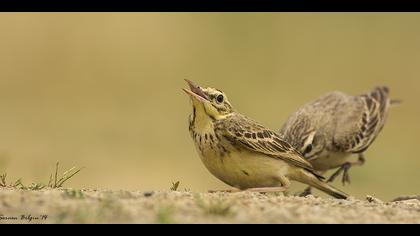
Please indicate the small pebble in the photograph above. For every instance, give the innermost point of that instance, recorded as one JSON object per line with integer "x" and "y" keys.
{"x": 373, "y": 199}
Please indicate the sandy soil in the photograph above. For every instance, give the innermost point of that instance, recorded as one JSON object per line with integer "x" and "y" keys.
{"x": 96, "y": 206}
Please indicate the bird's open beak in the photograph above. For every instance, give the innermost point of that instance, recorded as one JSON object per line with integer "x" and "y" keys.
{"x": 195, "y": 92}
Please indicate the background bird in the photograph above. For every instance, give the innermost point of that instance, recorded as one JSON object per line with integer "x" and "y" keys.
{"x": 336, "y": 126}
{"x": 242, "y": 153}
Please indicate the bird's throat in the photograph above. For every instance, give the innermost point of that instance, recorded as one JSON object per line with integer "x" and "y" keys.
{"x": 202, "y": 122}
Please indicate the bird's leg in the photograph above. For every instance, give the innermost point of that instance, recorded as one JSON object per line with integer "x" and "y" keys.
{"x": 258, "y": 190}
{"x": 267, "y": 189}
{"x": 285, "y": 183}
{"x": 345, "y": 169}
{"x": 306, "y": 192}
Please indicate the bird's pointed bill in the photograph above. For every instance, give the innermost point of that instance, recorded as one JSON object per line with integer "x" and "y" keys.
{"x": 195, "y": 92}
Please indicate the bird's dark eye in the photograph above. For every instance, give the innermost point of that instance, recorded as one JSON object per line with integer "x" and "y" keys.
{"x": 220, "y": 98}
{"x": 308, "y": 149}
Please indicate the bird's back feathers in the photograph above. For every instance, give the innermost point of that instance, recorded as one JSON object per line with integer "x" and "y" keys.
{"x": 255, "y": 137}
{"x": 360, "y": 121}
{"x": 342, "y": 122}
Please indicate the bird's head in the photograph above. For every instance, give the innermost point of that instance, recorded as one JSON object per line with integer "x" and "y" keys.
{"x": 209, "y": 102}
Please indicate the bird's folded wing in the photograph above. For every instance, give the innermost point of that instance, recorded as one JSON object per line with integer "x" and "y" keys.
{"x": 257, "y": 138}
{"x": 364, "y": 120}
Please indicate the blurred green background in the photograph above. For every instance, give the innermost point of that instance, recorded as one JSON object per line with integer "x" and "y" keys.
{"x": 103, "y": 90}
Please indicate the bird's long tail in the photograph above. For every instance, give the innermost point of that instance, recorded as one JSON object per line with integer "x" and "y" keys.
{"x": 380, "y": 94}
{"x": 309, "y": 178}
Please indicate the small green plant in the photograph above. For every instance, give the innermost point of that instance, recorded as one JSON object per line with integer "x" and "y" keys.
{"x": 56, "y": 182}
{"x": 165, "y": 215}
{"x": 3, "y": 180}
{"x": 18, "y": 184}
{"x": 73, "y": 194}
{"x": 36, "y": 186}
{"x": 214, "y": 207}
{"x": 175, "y": 186}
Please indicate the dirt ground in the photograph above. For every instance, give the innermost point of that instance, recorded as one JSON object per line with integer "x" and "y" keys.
{"x": 101, "y": 206}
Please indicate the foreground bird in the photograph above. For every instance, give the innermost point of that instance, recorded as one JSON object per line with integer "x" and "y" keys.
{"x": 242, "y": 153}
{"x": 330, "y": 129}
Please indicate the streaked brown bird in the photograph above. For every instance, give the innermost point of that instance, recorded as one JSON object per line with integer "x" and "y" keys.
{"x": 243, "y": 153}
{"x": 332, "y": 129}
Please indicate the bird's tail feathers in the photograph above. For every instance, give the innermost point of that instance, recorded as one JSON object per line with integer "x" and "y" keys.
{"x": 395, "y": 102}
{"x": 313, "y": 180}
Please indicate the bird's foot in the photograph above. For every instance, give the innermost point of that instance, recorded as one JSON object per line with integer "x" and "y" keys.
{"x": 224, "y": 191}
{"x": 343, "y": 169}
{"x": 306, "y": 192}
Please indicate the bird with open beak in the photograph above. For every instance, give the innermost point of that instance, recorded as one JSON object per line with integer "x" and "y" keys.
{"x": 243, "y": 153}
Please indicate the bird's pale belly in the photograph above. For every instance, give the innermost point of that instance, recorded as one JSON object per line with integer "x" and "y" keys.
{"x": 245, "y": 169}
{"x": 330, "y": 160}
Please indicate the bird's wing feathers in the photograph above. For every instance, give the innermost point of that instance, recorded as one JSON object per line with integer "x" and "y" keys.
{"x": 257, "y": 138}
{"x": 364, "y": 119}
